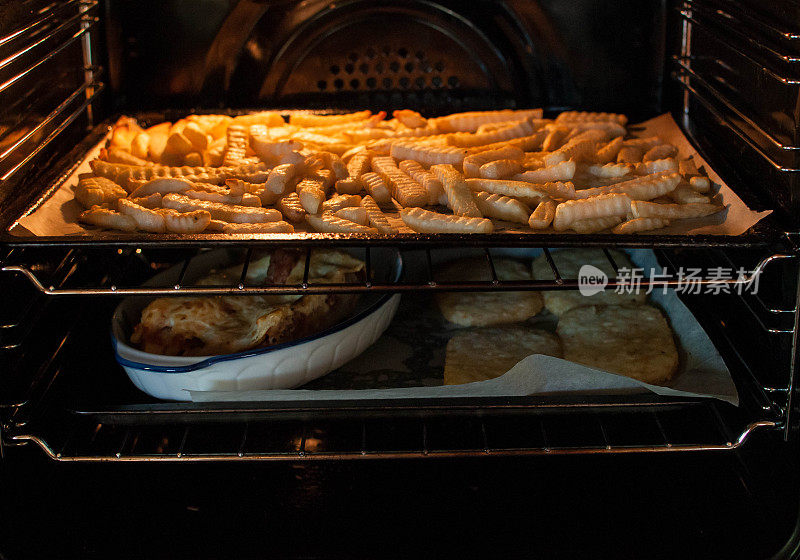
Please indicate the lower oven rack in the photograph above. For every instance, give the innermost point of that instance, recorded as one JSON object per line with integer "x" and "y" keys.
{"x": 47, "y": 414}
{"x": 389, "y": 432}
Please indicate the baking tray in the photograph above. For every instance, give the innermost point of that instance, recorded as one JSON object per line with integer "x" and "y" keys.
{"x": 766, "y": 232}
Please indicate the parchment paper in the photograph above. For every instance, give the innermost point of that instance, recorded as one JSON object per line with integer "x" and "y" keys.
{"x": 58, "y": 215}
{"x": 406, "y": 362}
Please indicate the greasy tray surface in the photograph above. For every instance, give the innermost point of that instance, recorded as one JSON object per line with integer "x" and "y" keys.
{"x": 765, "y": 232}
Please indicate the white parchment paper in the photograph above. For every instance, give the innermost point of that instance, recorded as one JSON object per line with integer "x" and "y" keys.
{"x": 58, "y": 215}
{"x": 702, "y": 372}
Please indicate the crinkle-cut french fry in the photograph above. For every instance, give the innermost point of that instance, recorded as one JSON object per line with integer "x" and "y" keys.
{"x": 309, "y": 119}
{"x": 641, "y": 209}
{"x": 266, "y": 227}
{"x": 687, "y": 195}
{"x": 459, "y": 196}
{"x": 426, "y": 154}
{"x": 382, "y": 164}
{"x": 640, "y": 188}
{"x": 500, "y": 169}
{"x": 123, "y": 133}
{"x": 186, "y": 222}
{"x": 233, "y": 194}
{"x": 236, "y": 146}
{"x": 376, "y": 217}
{"x": 359, "y": 164}
{"x": 630, "y": 154}
{"x": 589, "y": 116}
{"x": 556, "y": 136}
{"x": 593, "y": 225}
{"x": 470, "y": 121}
{"x": 610, "y": 170}
{"x": 139, "y": 146}
{"x": 193, "y": 159}
{"x": 105, "y": 218}
{"x": 509, "y": 132}
{"x": 291, "y": 208}
{"x": 145, "y": 218}
{"x": 196, "y": 136}
{"x": 526, "y": 143}
{"x": 271, "y": 150}
{"x": 377, "y": 188}
{"x": 163, "y": 186}
{"x": 543, "y": 215}
{"x": 266, "y": 118}
{"x": 354, "y": 214}
{"x": 643, "y": 143}
{"x": 522, "y": 189}
{"x": 158, "y": 141}
{"x": 91, "y": 191}
{"x": 116, "y": 155}
{"x": 216, "y": 225}
{"x": 177, "y": 146}
{"x": 429, "y": 181}
{"x": 329, "y": 223}
{"x": 425, "y": 221}
{"x": 502, "y": 207}
{"x": 311, "y": 195}
{"x": 700, "y": 184}
{"x": 662, "y": 151}
{"x": 403, "y": 188}
{"x": 226, "y": 212}
{"x": 563, "y": 171}
{"x": 687, "y": 167}
{"x": 281, "y": 178}
{"x": 131, "y": 177}
{"x": 608, "y": 152}
{"x": 597, "y": 207}
{"x": 151, "y": 201}
{"x": 611, "y": 129}
{"x": 260, "y": 190}
{"x": 410, "y": 118}
{"x": 207, "y": 123}
{"x": 580, "y": 150}
{"x": 491, "y": 127}
{"x": 473, "y": 162}
{"x": 657, "y": 166}
{"x": 533, "y": 160}
{"x": 349, "y": 185}
{"x": 640, "y": 224}
{"x": 326, "y": 178}
{"x": 341, "y": 201}
{"x": 595, "y": 135}
{"x": 215, "y": 152}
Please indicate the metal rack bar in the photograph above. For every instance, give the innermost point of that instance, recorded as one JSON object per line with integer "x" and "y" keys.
{"x": 69, "y": 120}
{"x": 786, "y": 58}
{"x": 49, "y": 118}
{"x": 301, "y": 454}
{"x": 744, "y": 137}
{"x": 740, "y": 114}
{"x": 374, "y": 286}
{"x": 49, "y": 56}
{"x": 27, "y": 30}
{"x": 64, "y": 25}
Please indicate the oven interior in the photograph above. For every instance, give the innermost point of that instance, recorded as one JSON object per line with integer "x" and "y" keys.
{"x": 726, "y": 71}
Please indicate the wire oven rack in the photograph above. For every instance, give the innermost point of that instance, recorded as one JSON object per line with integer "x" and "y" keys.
{"x": 197, "y": 432}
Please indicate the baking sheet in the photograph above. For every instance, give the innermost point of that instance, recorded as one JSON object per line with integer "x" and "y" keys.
{"x": 58, "y": 215}
{"x": 407, "y": 361}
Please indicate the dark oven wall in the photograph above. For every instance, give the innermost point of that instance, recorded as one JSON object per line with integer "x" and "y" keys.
{"x": 434, "y": 56}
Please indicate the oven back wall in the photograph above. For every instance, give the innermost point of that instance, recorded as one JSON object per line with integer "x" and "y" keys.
{"x": 435, "y": 56}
